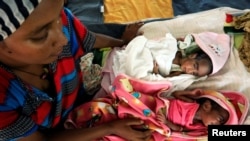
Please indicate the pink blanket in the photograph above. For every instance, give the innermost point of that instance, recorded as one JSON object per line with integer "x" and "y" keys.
{"x": 132, "y": 97}
{"x": 182, "y": 113}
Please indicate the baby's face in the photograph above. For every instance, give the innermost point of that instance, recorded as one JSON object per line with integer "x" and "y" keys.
{"x": 216, "y": 117}
{"x": 195, "y": 67}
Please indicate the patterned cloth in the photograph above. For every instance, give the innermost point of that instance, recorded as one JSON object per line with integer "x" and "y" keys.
{"x": 243, "y": 22}
{"x": 136, "y": 98}
{"x": 25, "y": 109}
{"x": 92, "y": 74}
{"x": 126, "y": 100}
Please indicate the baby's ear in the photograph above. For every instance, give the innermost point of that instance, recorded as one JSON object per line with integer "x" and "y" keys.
{"x": 192, "y": 56}
{"x": 206, "y": 106}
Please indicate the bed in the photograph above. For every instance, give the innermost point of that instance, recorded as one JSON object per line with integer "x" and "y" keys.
{"x": 234, "y": 75}
{"x": 191, "y": 16}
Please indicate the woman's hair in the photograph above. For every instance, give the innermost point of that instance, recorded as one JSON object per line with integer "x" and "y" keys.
{"x": 16, "y": 16}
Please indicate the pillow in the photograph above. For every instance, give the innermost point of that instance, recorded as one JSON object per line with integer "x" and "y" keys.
{"x": 210, "y": 20}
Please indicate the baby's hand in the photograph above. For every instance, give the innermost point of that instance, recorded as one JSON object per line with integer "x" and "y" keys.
{"x": 161, "y": 117}
{"x": 156, "y": 68}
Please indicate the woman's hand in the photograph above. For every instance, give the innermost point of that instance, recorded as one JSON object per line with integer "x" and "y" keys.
{"x": 188, "y": 95}
{"x": 131, "y": 31}
{"x": 123, "y": 128}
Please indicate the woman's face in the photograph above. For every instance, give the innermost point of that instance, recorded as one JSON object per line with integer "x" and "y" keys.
{"x": 39, "y": 40}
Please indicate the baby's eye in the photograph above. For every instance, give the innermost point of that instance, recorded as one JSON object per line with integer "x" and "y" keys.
{"x": 195, "y": 73}
{"x": 221, "y": 120}
{"x": 195, "y": 65}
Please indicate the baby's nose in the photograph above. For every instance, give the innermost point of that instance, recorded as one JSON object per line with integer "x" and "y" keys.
{"x": 190, "y": 71}
{"x": 215, "y": 122}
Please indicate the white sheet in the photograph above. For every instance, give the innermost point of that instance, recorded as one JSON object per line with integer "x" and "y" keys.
{"x": 233, "y": 76}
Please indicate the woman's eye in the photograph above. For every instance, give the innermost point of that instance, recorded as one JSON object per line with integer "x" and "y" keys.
{"x": 39, "y": 38}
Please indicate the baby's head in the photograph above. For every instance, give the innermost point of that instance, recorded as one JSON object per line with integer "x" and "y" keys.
{"x": 216, "y": 109}
{"x": 211, "y": 113}
{"x": 198, "y": 64}
{"x": 216, "y": 46}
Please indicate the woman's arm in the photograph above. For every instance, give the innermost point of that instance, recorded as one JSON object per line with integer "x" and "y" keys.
{"x": 120, "y": 128}
{"x": 130, "y": 32}
{"x": 107, "y": 41}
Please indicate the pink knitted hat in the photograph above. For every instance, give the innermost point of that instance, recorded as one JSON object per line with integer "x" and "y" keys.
{"x": 235, "y": 103}
{"x": 216, "y": 46}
